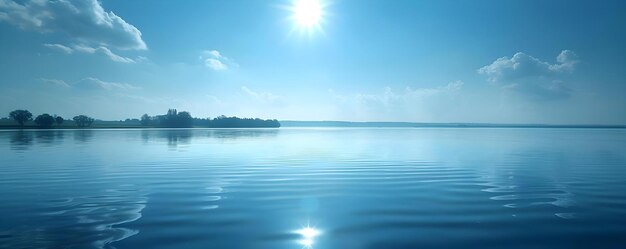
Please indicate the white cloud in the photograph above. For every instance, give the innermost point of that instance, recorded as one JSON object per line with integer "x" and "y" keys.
{"x": 92, "y": 50}
{"x": 527, "y": 74}
{"x": 115, "y": 57}
{"x": 566, "y": 61}
{"x": 91, "y": 82}
{"x": 213, "y": 59}
{"x": 55, "y": 82}
{"x": 108, "y": 85}
{"x": 83, "y": 20}
{"x": 105, "y": 51}
{"x": 59, "y": 47}
{"x": 454, "y": 86}
{"x": 522, "y": 65}
{"x": 263, "y": 97}
{"x": 214, "y": 53}
{"x": 215, "y": 64}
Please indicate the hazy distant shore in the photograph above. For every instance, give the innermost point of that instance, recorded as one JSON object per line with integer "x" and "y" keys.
{"x": 291, "y": 123}
{"x": 100, "y": 124}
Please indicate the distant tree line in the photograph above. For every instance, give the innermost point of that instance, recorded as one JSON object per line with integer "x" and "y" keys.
{"x": 46, "y": 120}
{"x": 175, "y": 119}
{"x": 235, "y": 122}
{"x": 172, "y": 119}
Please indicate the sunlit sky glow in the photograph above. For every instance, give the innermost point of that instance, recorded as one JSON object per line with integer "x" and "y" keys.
{"x": 487, "y": 61}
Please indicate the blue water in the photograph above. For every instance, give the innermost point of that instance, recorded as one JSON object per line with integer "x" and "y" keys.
{"x": 313, "y": 188}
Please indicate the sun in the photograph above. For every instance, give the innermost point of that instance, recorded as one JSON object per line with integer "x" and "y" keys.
{"x": 307, "y": 13}
{"x": 307, "y": 16}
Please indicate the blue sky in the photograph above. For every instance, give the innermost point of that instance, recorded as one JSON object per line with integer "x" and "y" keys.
{"x": 423, "y": 61}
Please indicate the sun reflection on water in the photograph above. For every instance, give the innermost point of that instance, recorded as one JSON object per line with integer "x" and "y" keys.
{"x": 308, "y": 234}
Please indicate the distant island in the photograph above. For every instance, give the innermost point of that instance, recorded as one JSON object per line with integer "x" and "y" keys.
{"x": 23, "y": 119}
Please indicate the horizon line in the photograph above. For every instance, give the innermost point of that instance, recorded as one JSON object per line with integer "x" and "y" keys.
{"x": 474, "y": 124}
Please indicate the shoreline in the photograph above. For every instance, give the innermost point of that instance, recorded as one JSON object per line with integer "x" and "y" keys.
{"x": 4, "y": 128}
{"x": 35, "y": 128}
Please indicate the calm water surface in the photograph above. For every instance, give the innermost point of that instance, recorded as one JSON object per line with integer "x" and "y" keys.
{"x": 313, "y": 188}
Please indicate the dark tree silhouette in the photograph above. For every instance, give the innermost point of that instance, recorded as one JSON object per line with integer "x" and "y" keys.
{"x": 175, "y": 119}
{"x": 184, "y": 119}
{"x": 83, "y": 121}
{"x": 145, "y": 120}
{"x": 235, "y": 122}
{"x": 21, "y": 116}
{"x": 44, "y": 120}
{"x": 169, "y": 120}
{"x": 59, "y": 120}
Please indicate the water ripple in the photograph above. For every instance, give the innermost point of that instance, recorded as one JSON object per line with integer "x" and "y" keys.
{"x": 363, "y": 188}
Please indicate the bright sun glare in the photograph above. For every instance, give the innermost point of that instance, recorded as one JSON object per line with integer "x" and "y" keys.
{"x": 307, "y": 13}
{"x": 308, "y": 236}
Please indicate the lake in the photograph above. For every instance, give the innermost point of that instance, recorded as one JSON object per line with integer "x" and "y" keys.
{"x": 313, "y": 188}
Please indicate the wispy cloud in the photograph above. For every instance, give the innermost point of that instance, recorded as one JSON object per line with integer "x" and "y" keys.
{"x": 214, "y": 100}
{"x": 107, "y": 85}
{"x": 59, "y": 47}
{"x": 55, "y": 82}
{"x": 213, "y": 59}
{"x": 426, "y": 103}
{"x": 93, "y": 50}
{"x": 91, "y": 24}
{"x": 263, "y": 97}
{"x": 91, "y": 82}
{"x": 409, "y": 94}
